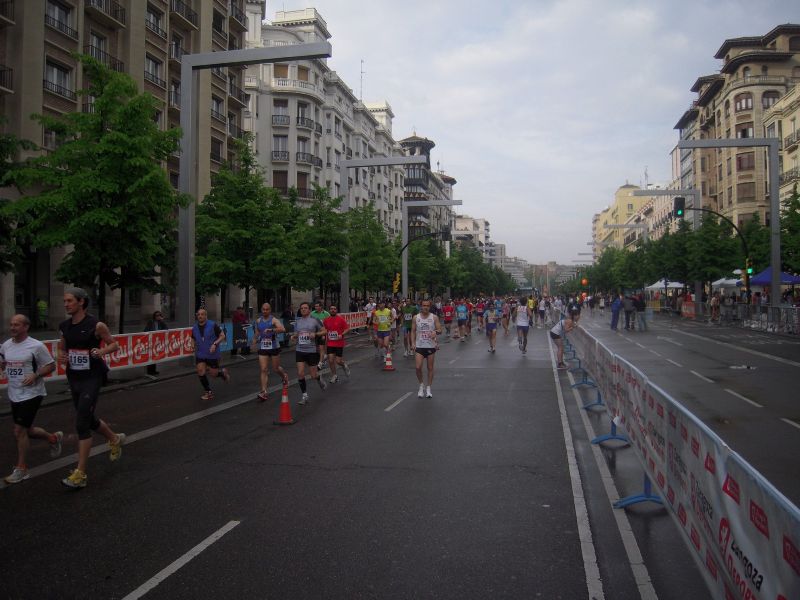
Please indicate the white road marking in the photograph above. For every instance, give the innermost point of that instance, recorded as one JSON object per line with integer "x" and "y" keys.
{"x": 790, "y": 422}
{"x": 640, "y": 346}
{"x": 396, "y": 402}
{"x": 452, "y": 361}
{"x": 627, "y": 338}
{"x": 703, "y": 377}
{"x": 594, "y": 583}
{"x": 680, "y": 366}
{"x": 656, "y": 353}
{"x": 756, "y": 404}
{"x": 670, "y": 340}
{"x": 784, "y": 361}
{"x": 181, "y": 562}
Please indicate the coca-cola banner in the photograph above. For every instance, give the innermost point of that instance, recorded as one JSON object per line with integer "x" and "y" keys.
{"x": 742, "y": 532}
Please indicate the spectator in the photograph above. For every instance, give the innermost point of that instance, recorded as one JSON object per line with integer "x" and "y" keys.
{"x": 238, "y": 318}
{"x": 616, "y": 306}
{"x": 157, "y": 323}
{"x": 630, "y": 309}
{"x": 641, "y": 311}
{"x": 42, "y": 313}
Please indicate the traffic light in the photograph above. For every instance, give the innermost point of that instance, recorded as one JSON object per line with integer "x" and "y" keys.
{"x": 678, "y": 206}
{"x": 749, "y": 266}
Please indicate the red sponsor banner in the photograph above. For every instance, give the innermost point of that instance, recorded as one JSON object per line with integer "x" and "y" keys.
{"x": 791, "y": 555}
{"x": 174, "y": 343}
{"x": 731, "y": 488}
{"x": 158, "y": 346}
{"x": 52, "y": 348}
{"x": 759, "y": 518}
{"x": 188, "y": 343}
{"x": 121, "y": 357}
{"x": 140, "y": 348}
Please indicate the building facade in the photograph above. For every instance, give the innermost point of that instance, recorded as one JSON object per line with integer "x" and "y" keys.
{"x": 472, "y": 232}
{"x": 783, "y": 122}
{"x": 146, "y": 40}
{"x": 609, "y": 225}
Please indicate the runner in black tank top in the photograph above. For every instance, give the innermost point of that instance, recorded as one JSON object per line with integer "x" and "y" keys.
{"x": 80, "y": 353}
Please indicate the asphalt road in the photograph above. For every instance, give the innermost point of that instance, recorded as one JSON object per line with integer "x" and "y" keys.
{"x": 479, "y": 492}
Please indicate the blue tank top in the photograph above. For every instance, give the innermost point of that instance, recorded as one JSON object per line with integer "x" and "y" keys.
{"x": 203, "y": 340}
{"x": 265, "y": 334}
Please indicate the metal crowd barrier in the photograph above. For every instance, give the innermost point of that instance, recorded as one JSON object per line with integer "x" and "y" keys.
{"x": 741, "y": 531}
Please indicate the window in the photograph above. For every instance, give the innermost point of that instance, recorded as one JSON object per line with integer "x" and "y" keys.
{"x": 58, "y": 75}
{"x": 217, "y": 108}
{"x": 746, "y": 72}
{"x": 58, "y": 12}
{"x": 746, "y": 192}
{"x": 152, "y": 70}
{"x": 730, "y": 196}
{"x": 281, "y": 71}
{"x": 743, "y": 102}
{"x": 280, "y": 107}
{"x": 794, "y": 43}
{"x": 303, "y": 145}
{"x": 216, "y": 150}
{"x": 280, "y": 143}
{"x": 769, "y": 98}
{"x": 218, "y": 22}
{"x": 771, "y": 131}
{"x": 745, "y": 161}
{"x": 302, "y": 110}
{"x": 728, "y": 162}
{"x": 744, "y": 130}
{"x": 157, "y": 118}
{"x": 630, "y": 206}
{"x": 727, "y": 108}
{"x": 302, "y": 73}
{"x": 153, "y": 19}
{"x": 97, "y": 42}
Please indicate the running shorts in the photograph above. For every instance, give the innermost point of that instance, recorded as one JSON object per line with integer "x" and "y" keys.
{"x": 383, "y": 334}
{"x": 523, "y": 328}
{"x": 554, "y": 336}
{"x": 425, "y": 352}
{"x": 23, "y": 413}
{"x": 336, "y": 350}
{"x": 462, "y": 322}
{"x": 310, "y": 358}
{"x": 211, "y": 363}
{"x": 273, "y": 352}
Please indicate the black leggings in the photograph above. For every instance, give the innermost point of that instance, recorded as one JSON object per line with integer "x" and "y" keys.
{"x": 85, "y": 393}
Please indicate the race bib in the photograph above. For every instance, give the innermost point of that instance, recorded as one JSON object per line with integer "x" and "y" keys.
{"x": 15, "y": 371}
{"x": 304, "y": 337}
{"x": 426, "y": 335}
{"x": 407, "y": 316}
{"x": 79, "y": 360}
{"x": 266, "y": 344}
{"x": 333, "y": 336}
{"x": 382, "y": 318}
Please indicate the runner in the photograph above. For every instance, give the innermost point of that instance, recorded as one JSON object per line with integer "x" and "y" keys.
{"x": 307, "y": 331}
{"x": 265, "y": 340}
{"x": 369, "y": 308}
{"x": 396, "y": 323}
{"x": 409, "y": 310}
{"x": 462, "y": 313}
{"x": 335, "y": 330}
{"x": 470, "y": 313}
{"x": 424, "y": 330}
{"x": 80, "y": 352}
{"x": 320, "y": 314}
{"x": 557, "y": 333}
{"x": 522, "y": 317}
{"x": 26, "y": 362}
{"x": 448, "y": 311}
{"x": 383, "y": 318}
{"x": 541, "y": 306}
{"x": 480, "y": 307}
{"x": 207, "y": 336}
{"x": 491, "y": 316}
{"x": 506, "y": 313}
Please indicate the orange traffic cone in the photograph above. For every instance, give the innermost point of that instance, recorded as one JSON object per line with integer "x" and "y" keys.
{"x": 285, "y": 415}
{"x": 388, "y": 366}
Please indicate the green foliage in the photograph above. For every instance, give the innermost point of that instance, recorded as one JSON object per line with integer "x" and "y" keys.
{"x": 372, "y": 260}
{"x": 10, "y": 147}
{"x": 790, "y": 233}
{"x": 103, "y": 192}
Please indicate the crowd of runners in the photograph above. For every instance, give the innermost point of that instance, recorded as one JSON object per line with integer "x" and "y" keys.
{"x": 319, "y": 335}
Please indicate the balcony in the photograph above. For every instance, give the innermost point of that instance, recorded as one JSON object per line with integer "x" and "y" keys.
{"x": 217, "y": 115}
{"x": 791, "y": 140}
{"x": 305, "y": 123}
{"x": 175, "y": 99}
{"x": 176, "y": 53}
{"x": 7, "y": 13}
{"x": 281, "y": 120}
{"x": 216, "y": 157}
{"x": 304, "y": 157}
{"x": 104, "y": 57}
{"x": 155, "y": 28}
{"x": 305, "y": 193}
{"x": 219, "y": 72}
{"x": 155, "y": 79}
{"x": 237, "y": 94}
{"x": 88, "y": 107}
{"x": 107, "y": 12}
{"x": 235, "y": 131}
{"x": 237, "y": 18}
{"x": 317, "y": 162}
{"x": 183, "y": 14}
{"x": 318, "y": 128}
{"x": 789, "y": 176}
{"x": 280, "y": 156}
{"x": 61, "y": 26}
{"x": 6, "y": 79}
{"x": 296, "y": 85}
{"x": 234, "y": 44}
{"x": 218, "y": 28}
{"x": 62, "y": 91}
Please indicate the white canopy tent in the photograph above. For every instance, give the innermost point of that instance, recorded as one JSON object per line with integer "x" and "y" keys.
{"x": 725, "y": 282}
{"x": 658, "y": 286}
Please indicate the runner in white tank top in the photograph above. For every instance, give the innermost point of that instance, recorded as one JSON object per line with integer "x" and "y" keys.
{"x": 424, "y": 329}
{"x": 522, "y": 317}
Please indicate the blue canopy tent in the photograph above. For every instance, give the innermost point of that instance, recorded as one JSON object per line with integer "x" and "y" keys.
{"x": 765, "y": 278}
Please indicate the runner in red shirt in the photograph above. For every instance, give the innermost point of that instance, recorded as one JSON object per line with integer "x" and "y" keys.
{"x": 470, "y": 311}
{"x": 480, "y": 307}
{"x": 336, "y": 328}
{"x": 448, "y": 310}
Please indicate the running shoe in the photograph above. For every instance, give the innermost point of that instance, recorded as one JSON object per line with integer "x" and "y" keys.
{"x": 226, "y": 377}
{"x": 116, "y": 447}
{"x": 209, "y": 395}
{"x": 428, "y": 393}
{"x": 262, "y": 396}
{"x": 346, "y": 368}
{"x": 489, "y": 350}
{"x": 304, "y": 399}
{"x": 421, "y": 392}
{"x": 75, "y": 480}
{"x": 562, "y": 366}
{"x": 18, "y": 475}
{"x": 322, "y": 384}
{"x": 524, "y": 350}
{"x": 55, "y": 447}
{"x": 333, "y": 379}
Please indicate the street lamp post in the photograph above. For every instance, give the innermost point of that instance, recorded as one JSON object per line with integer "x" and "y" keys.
{"x": 344, "y": 191}
{"x": 772, "y": 145}
{"x": 404, "y": 225}
{"x": 191, "y": 65}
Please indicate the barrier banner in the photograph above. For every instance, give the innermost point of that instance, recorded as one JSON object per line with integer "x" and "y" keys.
{"x": 741, "y": 531}
{"x": 688, "y": 310}
{"x": 355, "y": 320}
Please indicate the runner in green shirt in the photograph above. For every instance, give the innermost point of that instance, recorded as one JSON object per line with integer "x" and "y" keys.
{"x": 408, "y": 310}
{"x": 320, "y": 314}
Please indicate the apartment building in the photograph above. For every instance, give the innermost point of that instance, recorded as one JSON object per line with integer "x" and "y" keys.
{"x": 783, "y": 121}
{"x": 756, "y": 72}
{"x": 306, "y": 120}
{"x": 472, "y": 232}
{"x": 608, "y": 225}
{"x": 145, "y": 39}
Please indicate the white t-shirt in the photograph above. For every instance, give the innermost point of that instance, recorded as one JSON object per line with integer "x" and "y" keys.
{"x": 19, "y": 359}
{"x": 522, "y": 316}
{"x": 394, "y": 319}
{"x": 369, "y": 307}
{"x": 426, "y": 331}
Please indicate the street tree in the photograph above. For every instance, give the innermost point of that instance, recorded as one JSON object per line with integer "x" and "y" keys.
{"x": 790, "y": 232}
{"x": 10, "y": 247}
{"x": 371, "y": 257}
{"x": 103, "y": 192}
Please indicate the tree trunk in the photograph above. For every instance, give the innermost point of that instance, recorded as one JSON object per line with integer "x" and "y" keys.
{"x": 122, "y": 309}
{"x": 101, "y": 298}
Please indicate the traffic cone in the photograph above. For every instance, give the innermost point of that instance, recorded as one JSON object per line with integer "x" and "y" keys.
{"x": 285, "y": 415}
{"x": 388, "y": 366}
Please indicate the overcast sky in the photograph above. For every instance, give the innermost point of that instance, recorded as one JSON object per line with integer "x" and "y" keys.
{"x": 540, "y": 109}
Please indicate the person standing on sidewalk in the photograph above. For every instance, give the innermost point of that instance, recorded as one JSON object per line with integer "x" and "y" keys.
{"x": 80, "y": 352}
{"x": 26, "y": 362}
{"x": 265, "y": 339}
{"x": 641, "y": 311}
{"x": 207, "y": 336}
{"x": 628, "y": 307}
{"x": 616, "y": 306}
{"x": 335, "y": 330}
{"x": 157, "y": 323}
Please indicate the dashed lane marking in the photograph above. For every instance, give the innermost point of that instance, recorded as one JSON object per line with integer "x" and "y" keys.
{"x": 656, "y": 353}
{"x": 452, "y": 361}
{"x": 173, "y": 567}
{"x": 640, "y": 345}
{"x": 703, "y": 377}
{"x": 669, "y": 340}
{"x": 753, "y": 402}
{"x": 396, "y": 402}
{"x": 792, "y": 423}
{"x": 779, "y": 359}
{"x": 680, "y": 366}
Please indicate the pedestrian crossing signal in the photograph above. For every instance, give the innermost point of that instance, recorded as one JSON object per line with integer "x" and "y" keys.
{"x": 678, "y": 206}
